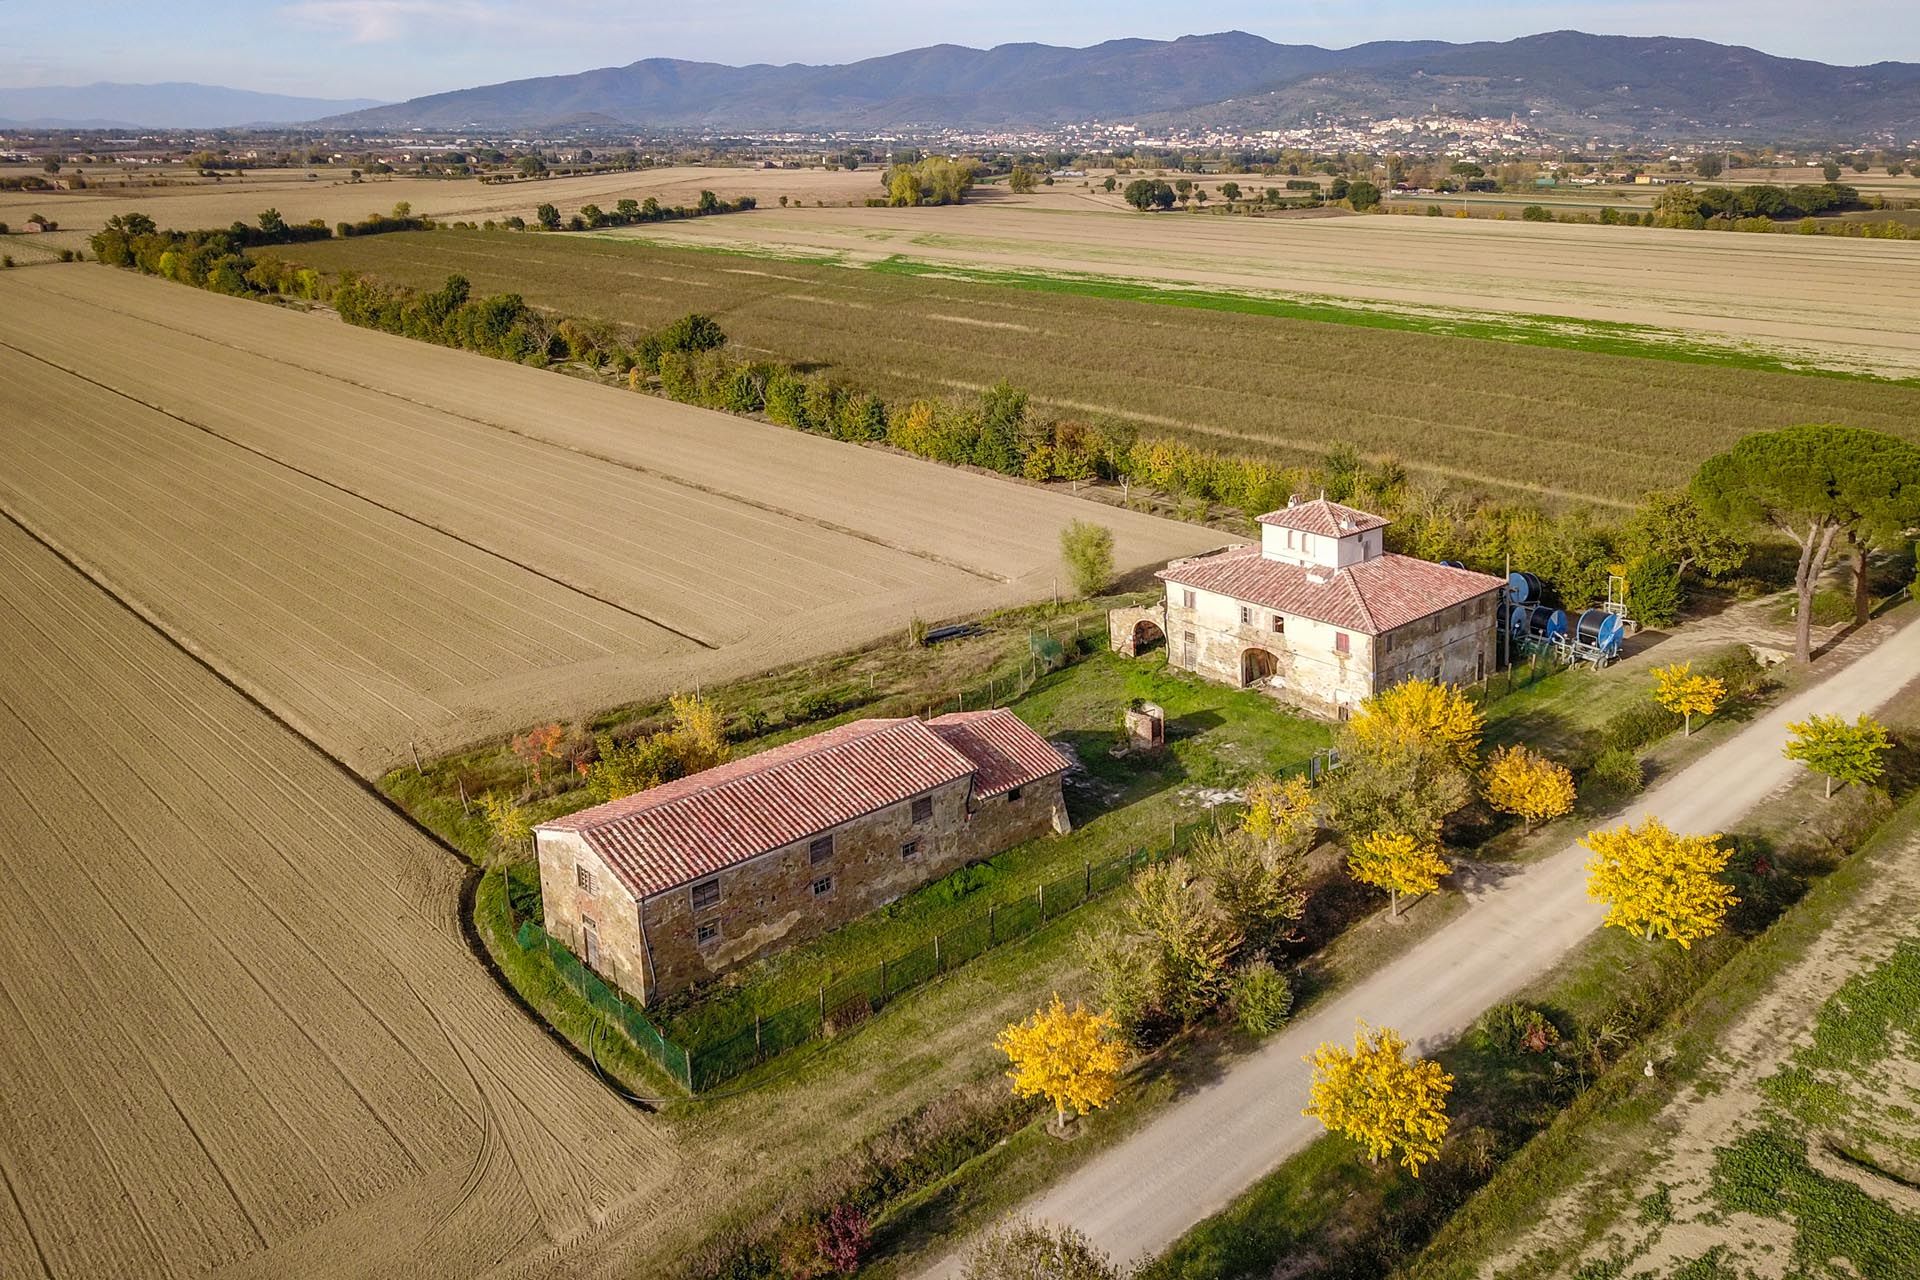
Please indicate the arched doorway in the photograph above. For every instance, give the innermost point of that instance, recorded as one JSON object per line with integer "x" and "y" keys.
{"x": 1147, "y": 635}
{"x": 1257, "y": 665}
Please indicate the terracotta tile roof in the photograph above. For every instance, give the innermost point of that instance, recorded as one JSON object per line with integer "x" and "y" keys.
{"x": 1005, "y": 752}
{"x": 1329, "y": 519}
{"x": 1370, "y": 597}
{"x": 694, "y": 826}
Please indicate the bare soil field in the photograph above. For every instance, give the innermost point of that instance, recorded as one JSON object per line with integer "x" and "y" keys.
{"x": 1494, "y": 415}
{"x": 244, "y": 1033}
{"x": 1845, "y": 303}
{"x": 390, "y": 542}
{"x": 190, "y": 201}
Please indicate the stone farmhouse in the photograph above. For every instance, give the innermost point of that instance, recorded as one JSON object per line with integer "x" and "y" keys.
{"x": 1318, "y": 613}
{"x": 665, "y": 889}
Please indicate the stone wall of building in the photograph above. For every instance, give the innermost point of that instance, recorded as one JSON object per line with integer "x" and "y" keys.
{"x": 1214, "y": 634}
{"x": 769, "y": 903}
{"x": 568, "y": 904}
{"x": 1457, "y": 645}
{"x": 1212, "y": 638}
{"x": 1126, "y": 634}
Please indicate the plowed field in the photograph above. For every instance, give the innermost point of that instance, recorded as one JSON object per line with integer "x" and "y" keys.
{"x": 389, "y": 542}
{"x": 1845, "y": 303}
{"x": 242, "y": 1029}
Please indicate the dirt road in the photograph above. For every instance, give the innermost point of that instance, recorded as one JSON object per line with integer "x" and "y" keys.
{"x": 1137, "y": 1198}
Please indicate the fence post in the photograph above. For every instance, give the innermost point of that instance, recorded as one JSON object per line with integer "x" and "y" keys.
{"x": 1040, "y": 895}
{"x": 990, "y": 911}
{"x": 936, "y": 953}
{"x": 1089, "y": 877}
{"x": 687, "y": 1054}
{"x": 883, "y": 981}
{"x": 756, "y": 1037}
{"x": 823, "y": 1008}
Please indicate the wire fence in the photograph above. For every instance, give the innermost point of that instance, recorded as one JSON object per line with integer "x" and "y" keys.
{"x": 847, "y": 1002}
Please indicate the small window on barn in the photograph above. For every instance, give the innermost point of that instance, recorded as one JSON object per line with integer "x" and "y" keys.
{"x": 1186, "y": 599}
{"x": 705, "y": 894}
{"x": 923, "y": 809}
{"x": 583, "y": 877}
{"x": 707, "y": 933}
{"x": 1341, "y": 644}
{"x": 823, "y": 886}
{"x": 1279, "y": 624}
{"x": 819, "y": 851}
{"x": 1246, "y": 615}
{"x": 1013, "y": 793}
{"x": 909, "y": 851}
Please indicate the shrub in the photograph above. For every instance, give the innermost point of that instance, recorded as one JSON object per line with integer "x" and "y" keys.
{"x": 1638, "y": 725}
{"x": 1088, "y": 551}
{"x": 1516, "y": 1028}
{"x": 1261, "y": 998}
{"x": 1021, "y": 1249}
{"x": 816, "y": 704}
{"x": 1616, "y": 772}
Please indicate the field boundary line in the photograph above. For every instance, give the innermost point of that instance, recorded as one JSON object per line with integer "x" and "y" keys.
{"x": 373, "y": 502}
{"x": 470, "y": 879}
{"x": 931, "y": 557}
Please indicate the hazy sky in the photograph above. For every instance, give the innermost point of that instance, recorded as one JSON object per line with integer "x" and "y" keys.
{"x": 398, "y": 49}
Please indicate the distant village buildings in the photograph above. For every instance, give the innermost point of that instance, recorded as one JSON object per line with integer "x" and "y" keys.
{"x": 1318, "y": 613}
{"x": 668, "y": 888}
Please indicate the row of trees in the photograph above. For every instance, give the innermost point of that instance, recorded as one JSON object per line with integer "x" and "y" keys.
{"x": 1689, "y": 206}
{"x": 630, "y": 212}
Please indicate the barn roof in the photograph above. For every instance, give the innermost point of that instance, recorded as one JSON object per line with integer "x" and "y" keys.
{"x": 1329, "y": 519}
{"x": 1369, "y": 597}
{"x": 692, "y": 827}
{"x": 1005, "y": 753}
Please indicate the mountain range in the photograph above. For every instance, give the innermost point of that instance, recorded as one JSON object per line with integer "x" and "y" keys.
{"x": 160, "y": 106}
{"x": 1566, "y": 82}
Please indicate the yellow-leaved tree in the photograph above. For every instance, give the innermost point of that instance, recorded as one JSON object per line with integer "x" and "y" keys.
{"x": 1419, "y": 716}
{"x": 1844, "y": 753}
{"x": 1279, "y": 810}
{"x": 507, "y": 822}
{"x": 1656, "y": 882}
{"x": 1070, "y": 1057}
{"x": 1380, "y": 1098}
{"x": 1681, "y": 691}
{"x": 1397, "y": 862}
{"x": 1527, "y": 785}
{"x": 699, "y": 735}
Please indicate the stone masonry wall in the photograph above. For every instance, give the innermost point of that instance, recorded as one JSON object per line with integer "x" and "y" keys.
{"x": 1456, "y": 645}
{"x": 769, "y": 903}
{"x": 567, "y": 906}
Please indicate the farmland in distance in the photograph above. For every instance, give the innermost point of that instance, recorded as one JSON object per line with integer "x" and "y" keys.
{"x": 392, "y": 543}
{"x": 1492, "y": 415}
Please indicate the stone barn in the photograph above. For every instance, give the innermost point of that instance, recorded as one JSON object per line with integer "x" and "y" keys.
{"x": 668, "y": 888}
{"x": 1320, "y": 615}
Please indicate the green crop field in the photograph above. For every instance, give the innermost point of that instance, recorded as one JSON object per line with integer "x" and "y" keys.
{"x": 1500, "y": 407}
